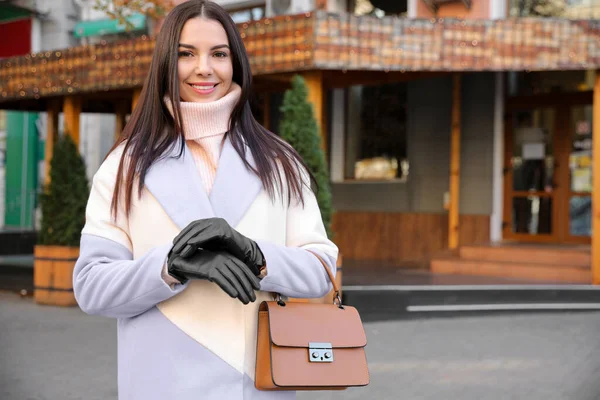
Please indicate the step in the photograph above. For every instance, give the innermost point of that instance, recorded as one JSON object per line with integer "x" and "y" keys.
{"x": 513, "y": 270}
{"x": 529, "y": 254}
{"x": 387, "y": 302}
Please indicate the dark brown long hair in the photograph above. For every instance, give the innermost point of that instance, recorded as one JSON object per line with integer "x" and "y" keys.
{"x": 152, "y": 131}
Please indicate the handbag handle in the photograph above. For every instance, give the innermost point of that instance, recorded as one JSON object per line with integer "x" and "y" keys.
{"x": 336, "y": 289}
{"x": 329, "y": 273}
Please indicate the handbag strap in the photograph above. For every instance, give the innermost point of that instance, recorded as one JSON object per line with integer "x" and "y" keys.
{"x": 277, "y": 297}
{"x": 336, "y": 289}
{"x": 329, "y": 273}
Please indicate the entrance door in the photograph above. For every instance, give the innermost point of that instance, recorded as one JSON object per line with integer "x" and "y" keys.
{"x": 530, "y": 206}
{"x": 547, "y": 174}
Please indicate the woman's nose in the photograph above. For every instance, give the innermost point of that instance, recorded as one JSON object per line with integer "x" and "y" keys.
{"x": 203, "y": 67}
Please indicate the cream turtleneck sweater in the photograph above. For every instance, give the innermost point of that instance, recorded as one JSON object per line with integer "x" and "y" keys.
{"x": 205, "y": 125}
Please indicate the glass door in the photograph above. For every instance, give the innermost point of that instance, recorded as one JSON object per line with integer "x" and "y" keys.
{"x": 530, "y": 207}
{"x": 579, "y": 224}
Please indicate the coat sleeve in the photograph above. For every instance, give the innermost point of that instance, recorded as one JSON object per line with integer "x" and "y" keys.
{"x": 107, "y": 280}
{"x": 291, "y": 269}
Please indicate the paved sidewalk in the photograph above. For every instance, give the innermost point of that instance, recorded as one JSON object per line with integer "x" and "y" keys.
{"x": 51, "y": 353}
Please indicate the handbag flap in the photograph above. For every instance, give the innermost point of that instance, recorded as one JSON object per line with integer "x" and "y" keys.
{"x": 298, "y": 324}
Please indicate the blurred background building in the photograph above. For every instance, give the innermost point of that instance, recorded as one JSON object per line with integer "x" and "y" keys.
{"x": 448, "y": 124}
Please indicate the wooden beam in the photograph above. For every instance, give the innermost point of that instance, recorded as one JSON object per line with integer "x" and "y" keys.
{"x": 341, "y": 79}
{"x": 121, "y": 111}
{"x": 51, "y": 137}
{"x": 136, "y": 96}
{"x": 546, "y": 100}
{"x": 596, "y": 183}
{"x": 314, "y": 82}
{"x": 277, "y": 77}
{"x": 263, "y": 86}
{"x": 453, "y": 215}
{"x": 72, "y": 111}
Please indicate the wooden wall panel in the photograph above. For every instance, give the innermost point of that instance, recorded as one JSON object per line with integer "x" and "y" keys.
{"x": 474, "y": 229}
{"x": 402, "y": 239}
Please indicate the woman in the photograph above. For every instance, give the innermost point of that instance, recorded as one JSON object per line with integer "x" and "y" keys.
{"x": 194, "y": 218}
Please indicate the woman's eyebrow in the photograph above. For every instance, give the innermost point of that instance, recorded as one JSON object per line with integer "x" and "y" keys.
{"x": 219, "y": 46}
{"x": 189, "y": 46}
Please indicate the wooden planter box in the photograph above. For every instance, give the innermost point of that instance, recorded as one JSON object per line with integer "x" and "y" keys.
{"x": 53, "y": 275}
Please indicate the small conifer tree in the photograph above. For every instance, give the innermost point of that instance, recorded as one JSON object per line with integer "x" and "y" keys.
{"x": 299, "y": 128}
{"x": 64, "y": 200}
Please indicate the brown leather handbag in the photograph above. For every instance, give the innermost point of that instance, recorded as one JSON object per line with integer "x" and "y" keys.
{"x": 307, "y": 346}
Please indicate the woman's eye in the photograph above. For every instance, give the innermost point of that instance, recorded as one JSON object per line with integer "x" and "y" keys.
{"x": 220, "y": 54}
{"x": 185, "y": 54}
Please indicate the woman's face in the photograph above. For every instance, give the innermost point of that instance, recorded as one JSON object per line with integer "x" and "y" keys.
{"x": 204, "y": 62}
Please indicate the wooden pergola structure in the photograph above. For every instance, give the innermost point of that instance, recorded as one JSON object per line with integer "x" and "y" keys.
{"x": 330, "y": 50}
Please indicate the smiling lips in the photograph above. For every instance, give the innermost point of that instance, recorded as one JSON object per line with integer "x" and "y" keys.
{"x": 203, "y": 88}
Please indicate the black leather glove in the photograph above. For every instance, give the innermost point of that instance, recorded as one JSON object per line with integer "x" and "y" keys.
{"x": 232, "y": 275}
{"x": 216, "y": 234}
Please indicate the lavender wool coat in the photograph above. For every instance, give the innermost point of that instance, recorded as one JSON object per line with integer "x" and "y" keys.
{"x": 191, "y": 341}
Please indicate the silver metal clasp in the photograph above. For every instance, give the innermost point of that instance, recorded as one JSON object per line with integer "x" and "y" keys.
{"x": 320, "y": 352}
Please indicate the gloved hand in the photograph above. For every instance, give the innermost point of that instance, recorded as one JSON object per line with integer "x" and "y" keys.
{"x": 232, "y": 275}
{"x": 216, "y": 234}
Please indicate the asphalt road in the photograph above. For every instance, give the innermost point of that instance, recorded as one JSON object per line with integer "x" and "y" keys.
{"x": 63, "y": 354}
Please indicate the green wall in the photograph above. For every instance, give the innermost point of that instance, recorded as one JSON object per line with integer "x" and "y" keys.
{"x": 22, "y": 155}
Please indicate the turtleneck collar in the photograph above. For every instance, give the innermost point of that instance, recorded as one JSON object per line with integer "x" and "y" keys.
{"x": 207, "y": 119}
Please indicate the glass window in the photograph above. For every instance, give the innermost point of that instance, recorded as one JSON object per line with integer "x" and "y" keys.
{"x": 379, "y": 8}
{"x": 580, "y": 216}
{"x": 248, "y": 14}
{"x": 376, "y": 132}
{"x": 582, "y": 9}
{"x": 533, "y": 155}
{"x": 532, "y": 215}
{"x": 580, "y": 158}
{"x": 568, "y": 9}
{"x": 580, "y": 165}
{"x": 533, "y": 171}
